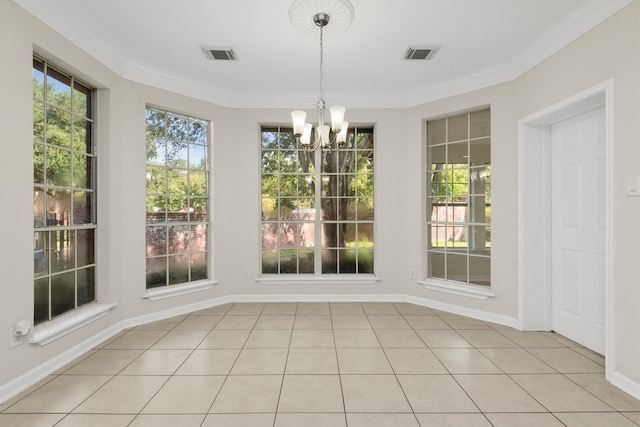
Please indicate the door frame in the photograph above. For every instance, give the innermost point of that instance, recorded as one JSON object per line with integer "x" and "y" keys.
{"x": 534, "y": 209}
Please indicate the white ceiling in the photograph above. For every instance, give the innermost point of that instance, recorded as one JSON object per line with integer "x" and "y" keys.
{"x": 483, "y": 42}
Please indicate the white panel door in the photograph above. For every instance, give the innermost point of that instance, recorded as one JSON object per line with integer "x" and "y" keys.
{"x": 578, "y": 199}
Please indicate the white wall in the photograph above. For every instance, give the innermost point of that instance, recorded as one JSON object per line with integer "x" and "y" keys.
{"x": 236, "y": 237}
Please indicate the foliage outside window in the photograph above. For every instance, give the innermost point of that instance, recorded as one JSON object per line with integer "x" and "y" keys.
{"x": 317, "y": 206}
{"x": 459, "y": 198}
{"x": 64, "y": 195}
{"x": 177, "y": 172}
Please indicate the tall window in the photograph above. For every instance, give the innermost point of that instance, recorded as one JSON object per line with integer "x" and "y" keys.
{"x": 317, "y": 206}
{"x": 64, "y": 193}
{"x": 177, "y": 199}
{"x": 459, "y": 198}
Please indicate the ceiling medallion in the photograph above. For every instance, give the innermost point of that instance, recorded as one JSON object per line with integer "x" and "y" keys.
{"x": 302, "y": 12}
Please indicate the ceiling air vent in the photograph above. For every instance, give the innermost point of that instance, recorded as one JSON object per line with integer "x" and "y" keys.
{"x": 219, "y": 53}
{"x": 423, "y": 52}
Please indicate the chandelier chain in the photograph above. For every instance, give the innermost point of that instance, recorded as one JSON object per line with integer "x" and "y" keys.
{"x": 321, "y": 101}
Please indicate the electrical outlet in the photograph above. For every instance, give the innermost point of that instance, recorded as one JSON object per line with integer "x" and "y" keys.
{"x": 245, "y": 273}
{"x": 412, "y": 273}
{"x": 14, "y": 340}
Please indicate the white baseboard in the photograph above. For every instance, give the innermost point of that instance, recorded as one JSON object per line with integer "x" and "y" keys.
{"x": 624, "y": 383}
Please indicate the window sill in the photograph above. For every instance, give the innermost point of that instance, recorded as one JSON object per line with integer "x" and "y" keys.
{"x": 471, "y": 291}
{"x": 174, "y": 291}
{"x": 58, "y": 328}
{"x": 333, "y": 279}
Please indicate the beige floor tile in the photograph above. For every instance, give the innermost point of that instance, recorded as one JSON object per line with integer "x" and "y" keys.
{"x": 311, "y": 393}
{"x": 246, "y": 308}
{"x": 162, "y": 325}
{"x": 307, "y": 338}
{"x": 275, "y": 321}
{"x": 559, "y": 394}
{"x": 180, "y": 339}
{"x": 462, "y": 322}
{"x": 136, "y": 340}
{"x": 363, "y": 338}
{"x": 382, "y": 420}
{"x": 198, "y": 323}
{"x": 248, "y": 394}
{"x": 209, "y": 362}
{"x": 168, "y": 420}
{"x": 239, "y": 420}
{"x": 426, "y": 322}
{"x": 410, "y": 309}
{"x": 453, "y": 420}
{"x": 406, "y": 361}
{"x": 260, "y": 361}
{"x": 29, "y": 420}
{"x": 530, "y": 339}
{"x": 111, "y": 339}
{"x": 313, "y": 321}
{"x": 363, "y": 361}
{"x": 96, "y": 420}
{"x": 268, "y": 338}
{"x": 310, "y": 420}
{"x": 157, "y": 362}
{"x": 346, "y": 308}
{"x": 225, "y": 339}
{"x": 350, "y": 321}
{"x": 237, "y": 322}
{"x": 567, "y": 361}
{"x": 185, "y": 395}
{"x": 524, "y": 420}
{"x": 465, "y": 361}
{"x": 483, "y": 338}
{"x": 598, "y": 419}
{"x": 633, "y": 416}
{"x": 313, "y": 308}
{"x": 280, "y": 308}
{"x": 16, "y": 398}
{"x": 379, "y": 308}
{"x": 517, "y": 361}
{"x": 402, "y": 338}
{"x": 591, "y": 355}
{"x": 105, "y": 362}
{"x": 388, "y": 321}
{"x": 443, "y": 339}
{"x": 122, "y": 395}
{"x": 373, "y": 393}
{"x": 436, "y": 393}
{"x": 305, "y": 361}
{"x": 62, "y": 394}
{"x": 597, "y": 385}
{"x": 564, "y": 341}
{"x": 218, "y": 310}
{"x": 497, "y": 393}
{"x": 77, "y": 360}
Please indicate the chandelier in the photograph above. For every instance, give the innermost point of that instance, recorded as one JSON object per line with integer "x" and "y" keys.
{"x": 299, "y": 16}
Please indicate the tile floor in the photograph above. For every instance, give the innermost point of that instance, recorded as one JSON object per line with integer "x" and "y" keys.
{"x": 327, "y": 364}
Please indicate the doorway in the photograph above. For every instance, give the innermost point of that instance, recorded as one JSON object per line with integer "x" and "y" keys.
{"x": 547, "y": 253}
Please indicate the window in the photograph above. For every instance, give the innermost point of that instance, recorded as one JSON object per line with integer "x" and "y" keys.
{"x": 177, "y": 227}
{"x": 317, "y": 206}
{"x": 64, "y": 193}
{"x": 459, "y": 198}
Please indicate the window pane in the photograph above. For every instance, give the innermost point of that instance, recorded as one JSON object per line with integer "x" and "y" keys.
{"x": 480, "y": 123}
{"x": 178, "y": 269}
{"x": 458, "y": 128}
{"x": 198, "y": 132}
{"x": 458, "y": 153}
{"x": 199, "y": 266}
{"x": 41, "y": 253}
{"x": 329, "y": 261}
{"x": 437, "y": 155}
{"x": 156, "y": 151}
{"x": 436, "y": 265}
{"x": 178, "y": 239}
{"x": 177, "y": 127}
{"x": 63, "y": 293}
{"x": 177, "y": 154}
{"x": 85, "y": 247}
{"x": 197, "y": 158}
{"x": 436, "y": 132}
{"x": 198, "y": 238}
{"x": 38, "y": 121}
{"x": 269, "y": 261}
{"x": 58, "y": 131}
{"x": 58, "y": 167}
{"x": 38, "y": 208}
{"x": 156, "y": 241}
{"x": 156, "y": 272}
{"x": 348, "y": 261}
{"x": 457, "y": 267}
{"x": 480, "y": 270}
{"x": 41, "y": 300}
{"x": 365, "y": 261}
{"x": 86, "y": 286}
{"x": 480, "y": 152}
{"x": 82, "y": 135}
